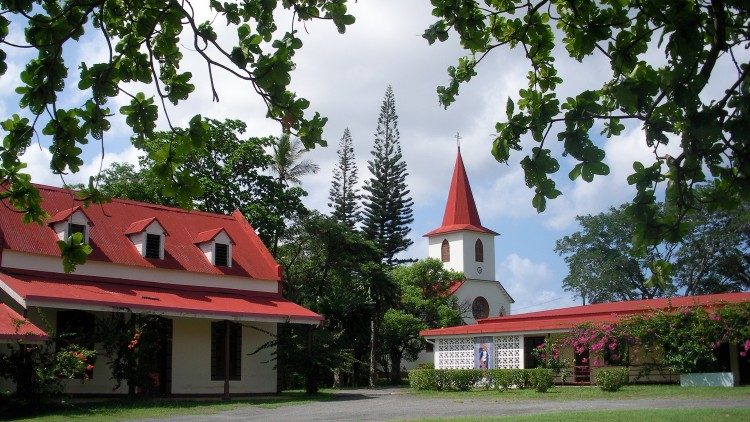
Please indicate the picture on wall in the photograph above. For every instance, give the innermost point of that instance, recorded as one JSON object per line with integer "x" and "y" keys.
{"x": 484, "y": 353}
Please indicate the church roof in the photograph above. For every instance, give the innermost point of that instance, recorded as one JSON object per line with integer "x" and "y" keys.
{"x": 460, "y": 209}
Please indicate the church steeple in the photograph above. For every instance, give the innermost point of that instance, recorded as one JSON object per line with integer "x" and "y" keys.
{"x": 460, "y": 209}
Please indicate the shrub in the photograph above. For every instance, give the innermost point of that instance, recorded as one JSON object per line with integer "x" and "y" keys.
{"x": 518, "y": 378}
{"x": 611, "y": 379}
{"x": 423, "y": 379}
{"x": 462, "y": 379}
{"x": 500, "y": 379}
{"x": 540, "y": 379}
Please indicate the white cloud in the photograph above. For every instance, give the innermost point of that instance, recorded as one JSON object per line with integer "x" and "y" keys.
{"x": 38, "y": 159}
{"x": 582, "y": 198}
{"x": 533, "y": 285}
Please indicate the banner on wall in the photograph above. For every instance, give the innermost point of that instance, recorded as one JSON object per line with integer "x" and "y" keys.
{"x": 484, "y": 353}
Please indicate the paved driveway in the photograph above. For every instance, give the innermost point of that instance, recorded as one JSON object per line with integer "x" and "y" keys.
{"x": 397, "y": 404}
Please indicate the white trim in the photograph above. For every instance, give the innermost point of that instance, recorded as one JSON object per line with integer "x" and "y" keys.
{"x": 12, "y": 293}
{"x": 52, "y": 264}
{"x": 498, "y": 334}
{"x": 135, "y": 309}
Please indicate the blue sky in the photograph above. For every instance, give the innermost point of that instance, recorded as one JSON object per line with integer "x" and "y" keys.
{"x": 345, "y": 76}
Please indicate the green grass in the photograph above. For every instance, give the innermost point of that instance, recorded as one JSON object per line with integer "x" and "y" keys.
{"x": 122, "y": 409}
{"x": 591, "y": 393}
{"x": 666, "y": 415}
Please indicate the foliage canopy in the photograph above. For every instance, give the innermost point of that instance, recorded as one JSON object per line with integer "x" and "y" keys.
{"x": 678, "y": 73}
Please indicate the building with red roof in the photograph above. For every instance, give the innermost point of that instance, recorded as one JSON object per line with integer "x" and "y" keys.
{"x": 512, "y": 337}
{"x": 208, "y": 276}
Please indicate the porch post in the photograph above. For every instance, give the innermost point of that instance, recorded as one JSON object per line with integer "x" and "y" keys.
{"x": 226, "y": 361}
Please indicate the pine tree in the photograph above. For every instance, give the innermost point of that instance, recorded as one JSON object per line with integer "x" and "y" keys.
{"x": 387, "y": 204}
{"x": 344, "y": 194}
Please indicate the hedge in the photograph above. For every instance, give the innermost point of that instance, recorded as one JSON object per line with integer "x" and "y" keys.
{"x": 465, "y": 379}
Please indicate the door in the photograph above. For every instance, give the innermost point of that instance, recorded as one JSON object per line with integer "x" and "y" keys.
{"x": 582, "y": 368}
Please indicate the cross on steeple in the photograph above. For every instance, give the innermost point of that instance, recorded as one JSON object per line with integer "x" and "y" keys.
{"x": 458, "y": 141}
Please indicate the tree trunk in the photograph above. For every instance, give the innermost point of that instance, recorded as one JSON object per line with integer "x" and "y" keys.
{"x": 311, "y": 381}
{"x": 394, "y": 377}
{"x": 373, "y": 369}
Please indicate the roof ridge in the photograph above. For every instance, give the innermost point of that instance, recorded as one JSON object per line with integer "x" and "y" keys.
{"x": 140, "y": 203}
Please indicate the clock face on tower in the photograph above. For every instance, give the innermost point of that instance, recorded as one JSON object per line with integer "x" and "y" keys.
{"x": 479, "y": 270}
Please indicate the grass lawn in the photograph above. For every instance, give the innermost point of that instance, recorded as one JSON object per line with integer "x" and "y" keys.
{"x": 676, "y": 415}
{"x": 116, "y": 410}
{"x": 591, "y": 393}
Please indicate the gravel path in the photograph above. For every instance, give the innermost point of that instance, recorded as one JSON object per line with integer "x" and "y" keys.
{"x": 396, "y": 404}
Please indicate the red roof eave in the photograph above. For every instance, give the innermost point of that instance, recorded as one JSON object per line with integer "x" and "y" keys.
{"x": 14, "y": 327}
{"x": 46, "y": 292}
{"x": 565, "y": 319}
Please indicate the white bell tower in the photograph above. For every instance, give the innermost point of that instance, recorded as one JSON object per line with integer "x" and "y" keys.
{"x": 464, "y": 245}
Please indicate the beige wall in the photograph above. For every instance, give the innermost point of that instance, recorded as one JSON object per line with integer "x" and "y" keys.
{"x": 191, "y": 359}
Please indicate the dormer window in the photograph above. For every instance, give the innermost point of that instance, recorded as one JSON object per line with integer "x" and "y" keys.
{"x": 148, "y": 237}
{"x": 153, "y": 246}
{"x": 221, "y": 255}
{"x": 69, "y": 221}
{"x": 216, "y": 246}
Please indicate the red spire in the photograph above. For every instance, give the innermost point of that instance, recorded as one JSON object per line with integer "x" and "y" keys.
{"x": 460, "y": 209}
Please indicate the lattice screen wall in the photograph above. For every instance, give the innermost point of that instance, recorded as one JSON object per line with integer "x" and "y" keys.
{"x": 509, "y": 352}
{"x": 455, "y": 353}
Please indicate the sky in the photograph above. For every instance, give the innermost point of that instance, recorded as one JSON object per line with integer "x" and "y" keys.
{"x": 345, "y": 77}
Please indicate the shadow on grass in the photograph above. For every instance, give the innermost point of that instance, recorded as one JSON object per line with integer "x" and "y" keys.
{"x": 117, "y": 409}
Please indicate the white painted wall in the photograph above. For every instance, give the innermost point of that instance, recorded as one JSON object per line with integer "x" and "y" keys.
{"x": 462, "y": 253}
{"x": 191, "y": 359}
{"x": 490, "y": 290}
{"x": 45, "y": 263}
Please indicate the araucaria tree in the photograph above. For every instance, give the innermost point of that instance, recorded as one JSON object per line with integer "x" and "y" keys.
{"x": 344, "y": 194}
{"x": 387, "y": 204}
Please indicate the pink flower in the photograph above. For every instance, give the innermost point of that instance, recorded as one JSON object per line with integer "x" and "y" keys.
{"x": 715, "y": 317}
{"x": 89, "y": 368}
{"x": 584, "y": 360}
{"x": 747, "y": 344}
{"x": 612, "y": 346}
{"x": 743, "y": 353}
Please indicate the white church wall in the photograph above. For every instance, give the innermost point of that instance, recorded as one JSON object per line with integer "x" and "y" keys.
{"x": 455, "y": 241}
{"x": 490, "y": 290}
{"x": 470, "y": 264}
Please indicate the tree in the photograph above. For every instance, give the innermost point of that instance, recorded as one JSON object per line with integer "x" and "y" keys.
{"x": 601, "y": 263}
{"x": 335, "y": 271}
{"x": 344, "y": 194}
{"x": 683, "y": 98}
{"x": 424, "y": 301}
{"x": 288, "y": 164}
{"x": 713, "y": 257}
{"x": 232, "y": 173}
{"x": 387, "y": 204}
{"x": 145, "y": 41}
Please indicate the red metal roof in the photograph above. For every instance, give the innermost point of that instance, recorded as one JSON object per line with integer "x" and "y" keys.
{"x": 568, "y": 318}
{"x": 250, "y": 258}
{"x": 60, "y": 292}
{"x": 460, "y": 209}
{"x": 455, "y": 286}
{"x": 209, "y": 235}
{"x": 64, "y": 214}
{"x": 14, "y": 327}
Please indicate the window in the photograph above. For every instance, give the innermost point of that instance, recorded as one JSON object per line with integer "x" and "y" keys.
{"x": 479, "y": 251}
{"x": 480, "y": 308}
{"x": 445, "y": 251}
{"x": 77, "y": 228}
{"x": 222, "y": 255}
{"x": 218, "y": 343}
{"x": 153, "y": 246}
